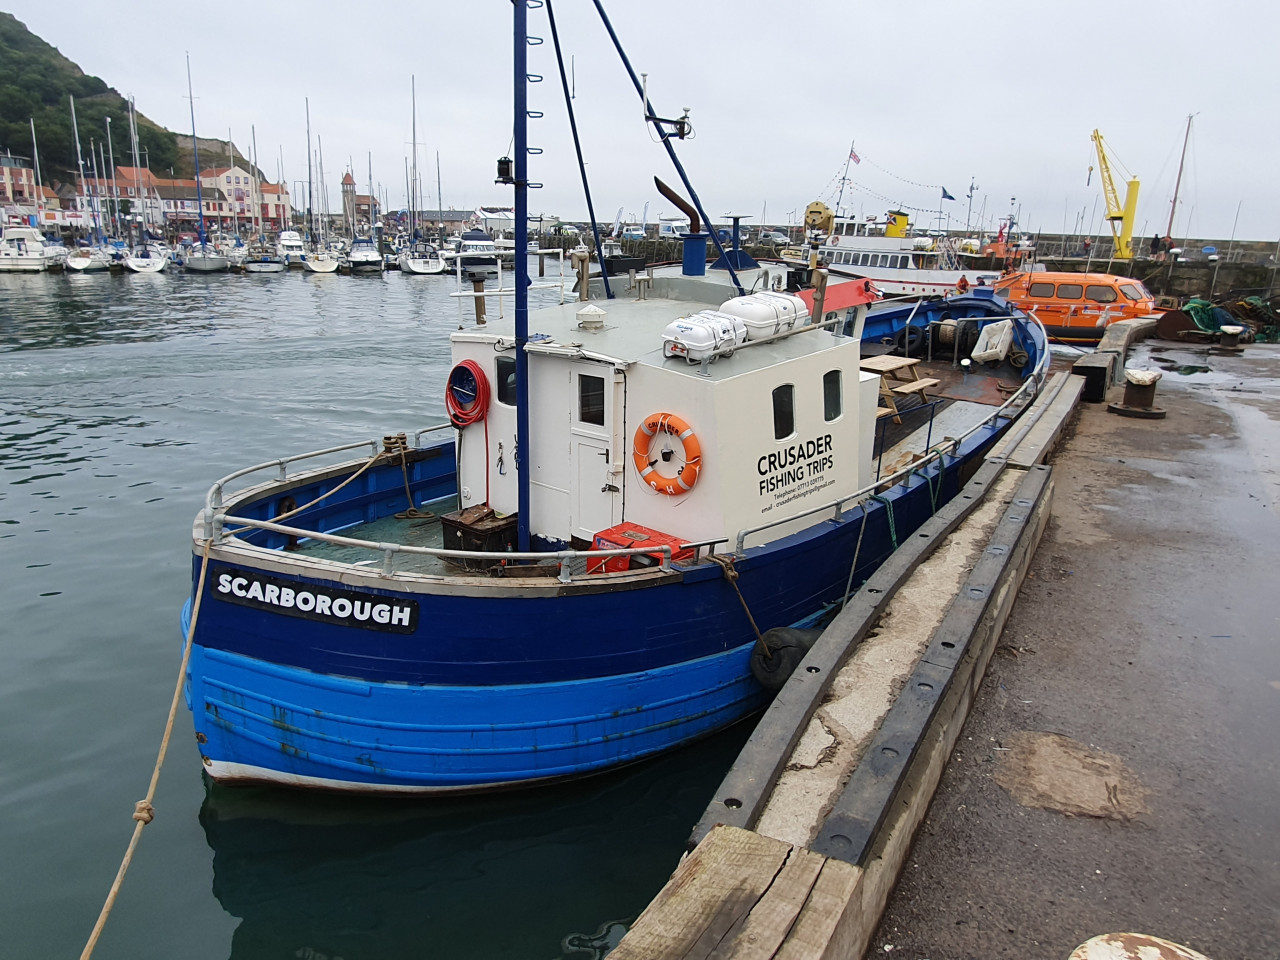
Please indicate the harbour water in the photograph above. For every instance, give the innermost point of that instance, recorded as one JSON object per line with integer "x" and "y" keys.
{"x": 121, "y": 399}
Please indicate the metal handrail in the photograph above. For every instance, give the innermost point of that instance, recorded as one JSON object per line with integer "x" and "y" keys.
{"x": 213, "y": 499}
{"x": 389, "y": 550}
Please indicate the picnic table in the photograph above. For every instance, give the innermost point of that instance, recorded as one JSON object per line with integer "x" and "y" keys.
{"x": 898, "y": 378}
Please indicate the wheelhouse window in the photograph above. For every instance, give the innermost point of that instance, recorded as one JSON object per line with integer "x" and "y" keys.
{"x": 784, "y": 411}
{"x": 591, "y": 399}
{"x": 1070, "y": 291}
{"x": 1100, "y": 293}
{"x": 504, "y": 369}
{"x": 1040, "y": 290}
{"x": 1130, "y": 291}
{"x": 832, "y": 396}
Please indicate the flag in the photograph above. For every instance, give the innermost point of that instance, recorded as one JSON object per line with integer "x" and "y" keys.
{"x": 853, "y": 156}
{"x": 945, "y": 195}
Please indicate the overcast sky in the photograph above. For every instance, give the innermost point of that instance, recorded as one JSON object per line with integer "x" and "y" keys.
{"x": 933, "y": 94}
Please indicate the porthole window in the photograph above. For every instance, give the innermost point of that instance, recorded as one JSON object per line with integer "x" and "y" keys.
{"x": 784, "y": 411}
{"x": 832, "y": 396}
{"x": 591, "y": 399}
{"x": 504, "y": 374}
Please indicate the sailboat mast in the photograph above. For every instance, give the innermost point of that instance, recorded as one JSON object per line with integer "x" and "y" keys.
{"x": 75, "y": 131}
{"x": 372, "y": 233}
{"x": 324, "y": 206}
{"x": 98, "y": 212}
{"x": 439, "y": 200}
{"x": 231, "y": 162}
{"x": 115, "y": 189}
{"x": 195, "y": 155}
{"x": 1173, "y": 206}
{"x": 257, "y": 173}
{"x": 311, "y": 223}
{"x": 137, "y": 171}
{"x": 35, "y": 152}
{"x": 96, "y": 204}
{"x": 413, "y": 183}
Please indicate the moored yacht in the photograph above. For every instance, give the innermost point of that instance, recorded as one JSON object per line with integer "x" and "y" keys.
{"x": 88, "y": 259}
{"x": 291, "y": 249}
{"x": 21, "y": 250}
{"x": 421, "y": 257}
{"x": 148, "y": 257}
{"x": 364, "y": 257}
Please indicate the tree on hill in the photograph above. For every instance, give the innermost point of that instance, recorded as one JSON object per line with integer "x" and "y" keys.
{"x": 35, "y": 83}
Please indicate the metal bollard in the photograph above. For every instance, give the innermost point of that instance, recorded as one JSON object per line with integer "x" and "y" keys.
{"x": 1139, "y": 392}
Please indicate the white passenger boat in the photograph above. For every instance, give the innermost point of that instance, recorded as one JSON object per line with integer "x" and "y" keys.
{"x": 898, "y": 263}
{"x": 21, "y": 250}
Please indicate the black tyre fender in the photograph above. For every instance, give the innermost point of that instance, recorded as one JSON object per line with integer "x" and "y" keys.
{"x": 909, "y": 340}
{"x": 786, "y": 646}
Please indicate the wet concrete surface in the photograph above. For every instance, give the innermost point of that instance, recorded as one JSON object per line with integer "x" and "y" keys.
{"x": 1148, "y": 631}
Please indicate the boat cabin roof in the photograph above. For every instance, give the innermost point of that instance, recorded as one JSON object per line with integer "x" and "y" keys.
{"x": 631, "y": 335}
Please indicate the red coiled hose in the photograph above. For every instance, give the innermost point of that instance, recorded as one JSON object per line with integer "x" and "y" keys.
{"x": 466, "y": 395}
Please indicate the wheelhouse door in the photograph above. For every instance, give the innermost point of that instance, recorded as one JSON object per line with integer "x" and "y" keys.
{"x": 594, "y": 456}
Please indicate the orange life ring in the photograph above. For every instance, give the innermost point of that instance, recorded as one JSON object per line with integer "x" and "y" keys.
{"x": 687, "y": 475}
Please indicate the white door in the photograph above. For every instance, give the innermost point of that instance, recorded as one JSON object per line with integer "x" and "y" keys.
{"x": 596, "y": 491}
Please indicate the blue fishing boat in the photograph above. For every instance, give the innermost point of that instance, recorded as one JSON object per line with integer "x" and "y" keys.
{"x": 953, "y": 321}
{"x": 579, "y": 568}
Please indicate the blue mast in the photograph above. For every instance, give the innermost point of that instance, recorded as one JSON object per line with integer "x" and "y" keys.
{"x": 521, "y": 137}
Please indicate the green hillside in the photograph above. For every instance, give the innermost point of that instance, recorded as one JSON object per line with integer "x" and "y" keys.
{"x": 35, "y": 82}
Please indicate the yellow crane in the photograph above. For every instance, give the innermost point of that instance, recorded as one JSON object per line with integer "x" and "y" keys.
{"x": 1115, "y": 213}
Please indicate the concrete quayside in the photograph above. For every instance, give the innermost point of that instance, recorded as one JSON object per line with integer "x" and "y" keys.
{"x": 1085, "y": 807}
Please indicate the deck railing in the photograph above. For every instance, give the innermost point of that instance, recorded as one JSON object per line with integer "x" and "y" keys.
{"x": 572, "y": 564}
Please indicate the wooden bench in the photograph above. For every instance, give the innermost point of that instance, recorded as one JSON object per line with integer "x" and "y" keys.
{"x": 918, "y": 387}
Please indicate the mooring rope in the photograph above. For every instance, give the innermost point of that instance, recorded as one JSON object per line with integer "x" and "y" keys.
{"x": 888, "y": 509}
{"x": 731, "y": 574}
{"x": 856, "y": 550}
{"x": 143, "y": 811}
{"x": 328, "y": 493}
{"x": 933, "y": 494}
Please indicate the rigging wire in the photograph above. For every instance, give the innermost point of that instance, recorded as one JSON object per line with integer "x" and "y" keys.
{"x": 577, "y": 146}
{"x": 671, "y": 153}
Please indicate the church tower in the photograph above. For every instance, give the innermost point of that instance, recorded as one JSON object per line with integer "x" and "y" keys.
{"x": 349, "y": 202}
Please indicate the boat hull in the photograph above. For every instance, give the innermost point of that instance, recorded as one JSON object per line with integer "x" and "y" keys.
{"x": 425, "y": 684}
{"x": 206, "y": 264}
{"x": 326, "y": 265}
{"x": 263, "y": 266}
{"x": 93, "y": 264}
{"x": 22, "y": 264}
{"x": 289, "y": 726}
{"x": 146, "y": 264}
{"x": 423, "y": 266}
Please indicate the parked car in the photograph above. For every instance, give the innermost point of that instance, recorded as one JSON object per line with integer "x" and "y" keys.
{"x": 632, "y": 233}
{"x": 775, "y": 237}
